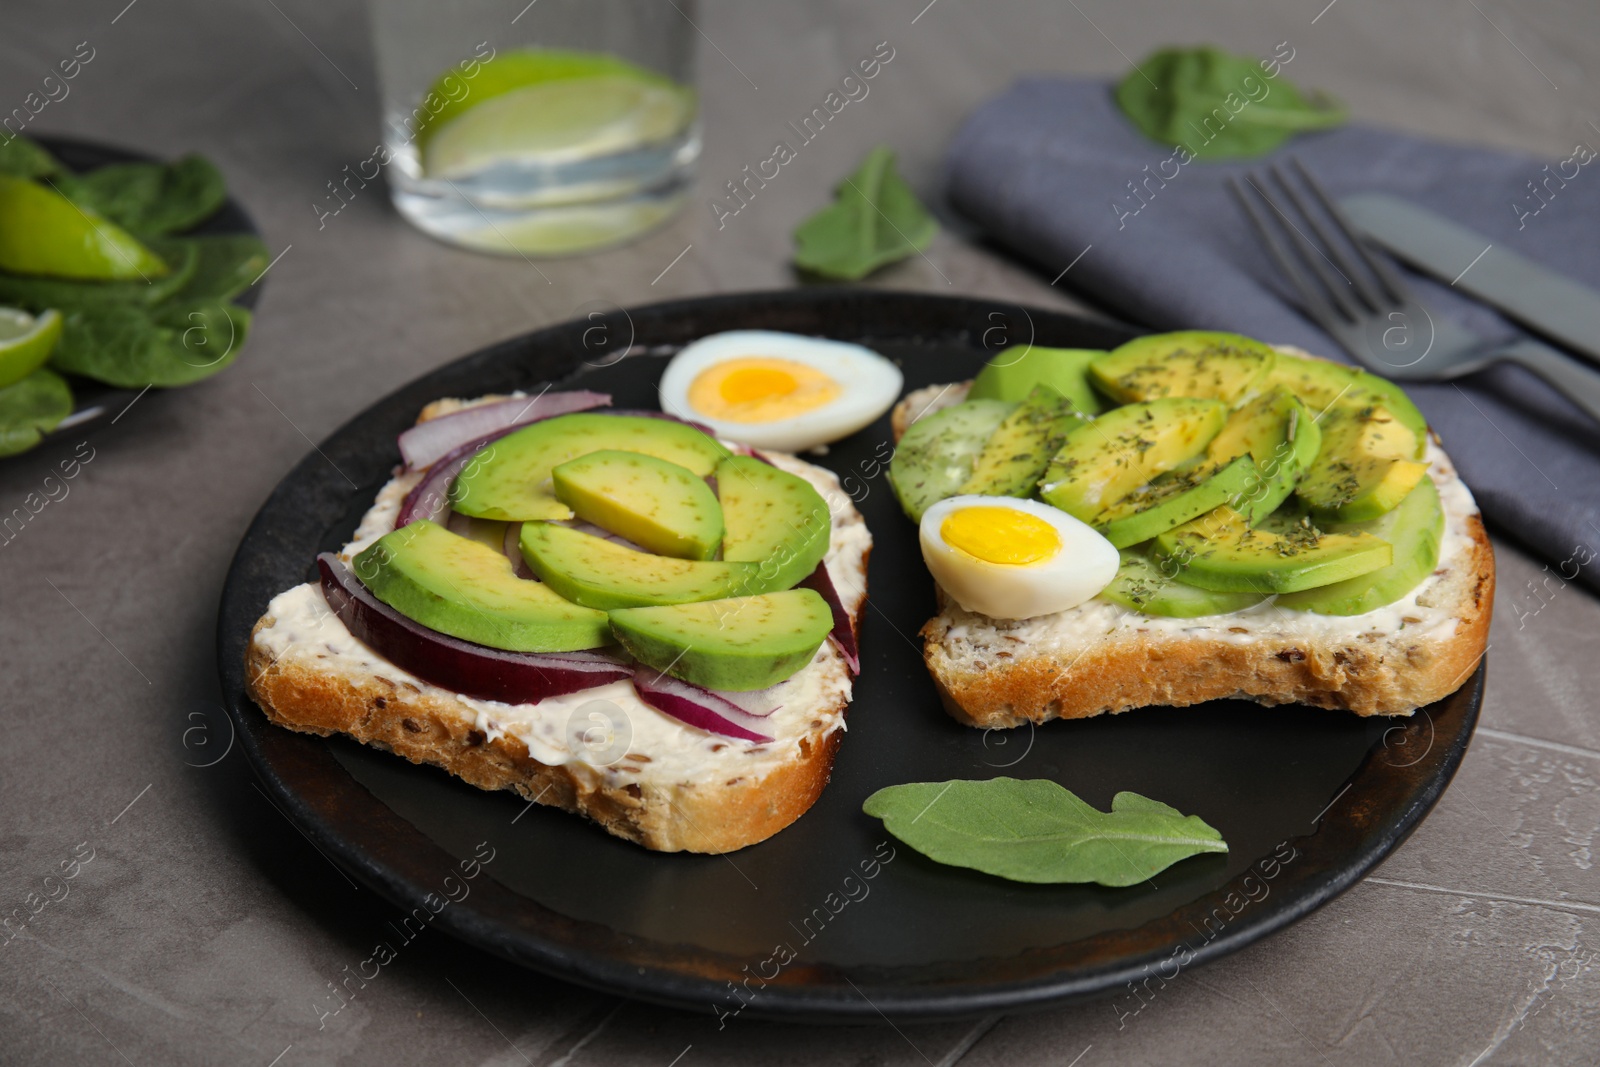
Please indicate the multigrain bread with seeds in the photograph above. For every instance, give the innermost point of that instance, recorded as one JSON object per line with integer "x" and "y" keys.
{"x": 1101, "y": 657}
{"x": 672, "y": 787}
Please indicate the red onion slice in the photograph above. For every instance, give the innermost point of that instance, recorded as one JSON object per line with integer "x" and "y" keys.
{"x": 430, "y": 498}
{"x": 843, "y": 633}
{"x": 425, "y": 443}
{"x": 697, "y": 707}
{"x": 460, "y": 666}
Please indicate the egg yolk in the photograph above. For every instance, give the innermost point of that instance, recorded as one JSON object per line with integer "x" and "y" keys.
{"x": 760, "y": 389}
{"x": 1001, "y": 535}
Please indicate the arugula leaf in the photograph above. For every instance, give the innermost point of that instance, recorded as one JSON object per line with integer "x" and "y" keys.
{"x": 874, "y": 220}
{"x": 151, "y": 199}
{"x": 30, "y": 409}
{"x": 1038, "y": 831}
{"x": 1202, "y": 98}
{"x": 21, "y": 157}
{"x": 132, "y": 346}
{"x": 35, "y": 293}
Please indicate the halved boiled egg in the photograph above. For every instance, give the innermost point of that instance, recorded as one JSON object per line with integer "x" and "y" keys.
{"x": 778, "y": 390}
{"x": 1014, "y": 559}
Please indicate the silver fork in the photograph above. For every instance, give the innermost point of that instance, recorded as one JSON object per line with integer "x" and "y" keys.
{"x": 1361, "y": 300}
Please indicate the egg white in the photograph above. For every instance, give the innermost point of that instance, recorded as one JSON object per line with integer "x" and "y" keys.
{"x": 869, "y": 385}
{"x": 1080, "y": 569}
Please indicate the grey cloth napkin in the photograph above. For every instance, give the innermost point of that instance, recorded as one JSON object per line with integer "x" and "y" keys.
{"x": 1046, "y": 169}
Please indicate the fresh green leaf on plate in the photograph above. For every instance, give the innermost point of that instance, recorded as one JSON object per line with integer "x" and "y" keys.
{"x": 133, "y": 346}
{"x": 226, "y": 264}
{"x": 37, "y": 293}
{"x": 151, "y": 199}
{"x": 30, "y": 409}
{"x": 1217, "y": 105}
{"x": 874, "y": 220}
{"x": 23, "y": 158}
{"x": 1038, "y": 831}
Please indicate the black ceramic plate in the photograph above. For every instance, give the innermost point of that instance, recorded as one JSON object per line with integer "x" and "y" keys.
{"x": 94, "y": 400}
{"x": 1309, "y": 800}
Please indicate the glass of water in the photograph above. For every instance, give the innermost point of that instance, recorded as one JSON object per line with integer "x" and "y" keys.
{"x": 557, "y": 127}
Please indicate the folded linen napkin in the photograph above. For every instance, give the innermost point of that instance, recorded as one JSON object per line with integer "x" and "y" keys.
{"x": 1053, "y": 171}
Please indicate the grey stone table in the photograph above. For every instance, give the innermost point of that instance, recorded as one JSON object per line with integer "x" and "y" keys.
{"x": 205, "y": 928}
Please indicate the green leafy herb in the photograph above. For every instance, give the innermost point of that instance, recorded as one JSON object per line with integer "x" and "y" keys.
{"x": 874, "y": 220}
{"x": 151, "y": 199}
{"x": 133, "y": 346}
{"x": 226, "y": 264}
{"x": 1219, "y": 106}
{"x": 30, "y": 409}
{"x": 1038, "y": 831}
{"x": 22, "y": 158}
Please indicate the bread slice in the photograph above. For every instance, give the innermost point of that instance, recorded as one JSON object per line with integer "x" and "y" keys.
{"x": 1101, "y": 657}
{"x": 665, "y": 785}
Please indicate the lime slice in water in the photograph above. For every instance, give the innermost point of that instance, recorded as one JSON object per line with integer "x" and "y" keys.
{"x": 557, "y": 122}
{"x": 42, "y": 232}
{"x": 26, "y": 341}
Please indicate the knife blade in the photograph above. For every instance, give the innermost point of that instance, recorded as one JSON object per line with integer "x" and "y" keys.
{"x": 1535, "y": 296}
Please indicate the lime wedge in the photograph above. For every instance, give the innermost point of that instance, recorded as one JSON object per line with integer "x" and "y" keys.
{"x": 454, "y": 93}
{"x": 26, "y": 341}
{"x": 42, "y": 232}
{"x": 558, "y": 122}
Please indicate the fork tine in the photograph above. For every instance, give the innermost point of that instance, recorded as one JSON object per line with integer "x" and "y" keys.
{"x": 1313, "y": 256}
{"x": 1316, "y": 304}
{"x": 1375, "y": 301}
{"x": 1397, "y": 289}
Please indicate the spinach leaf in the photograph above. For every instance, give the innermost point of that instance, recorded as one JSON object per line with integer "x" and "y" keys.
{"x": 1217, "y": 105}
{"x": 132, "y": 346}
{"x": 874, "y": 220}
{"x": 30, "y": 409}
{"x": 35, "y": 293}
{"x": 151, "y": 199}
{"x": 226, "y": 264}
{"x": 23, "y": 158}
{"x": 1038, "y": 831}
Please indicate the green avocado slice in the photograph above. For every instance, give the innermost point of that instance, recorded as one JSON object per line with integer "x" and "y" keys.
{"x": 741, "y": 643}
{"x": 465, "y": 589}
{"x": 602, "y": 574}
{"x": 1221, "y": 552}
{"x": 1415, "y": 529}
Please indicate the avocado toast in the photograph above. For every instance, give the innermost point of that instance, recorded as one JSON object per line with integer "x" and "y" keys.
{"x": 1289, "y": 532}
{"x": 711, "y": 692}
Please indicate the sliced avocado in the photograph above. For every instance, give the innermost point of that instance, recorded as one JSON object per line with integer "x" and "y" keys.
{"x": 656, "y": 504}
{"x": 1391, "y": 396}
{"x": 1142, "y": 586}
{"x": 508, "y": 479}
{"x": 1323, "y": 385}
{"x": 1020, "y": 447}
{"x": 1106, "y": 459}
{"x": 1415, "y": 528}
{"x": 602, "y": 574}
{"x": 1276, "y": 431}
{"x": 1196, "y": 363}
{"x": 1176, "y": 497}
{"x": 1362, "y": 469}
{"x": 465, "y": 589}
{"x": 774, "y": 519}
{"x": 1014, "y": 371}
{"x": 486, "y": 532}
{"x": 742, "y": 643}
{"x": 1220, "y": 551}
{"x": 935, "y": 457}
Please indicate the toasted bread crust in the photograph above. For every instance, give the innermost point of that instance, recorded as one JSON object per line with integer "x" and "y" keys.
{"x": 686, "y": 816}
{"x": 1389, "y": 675}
